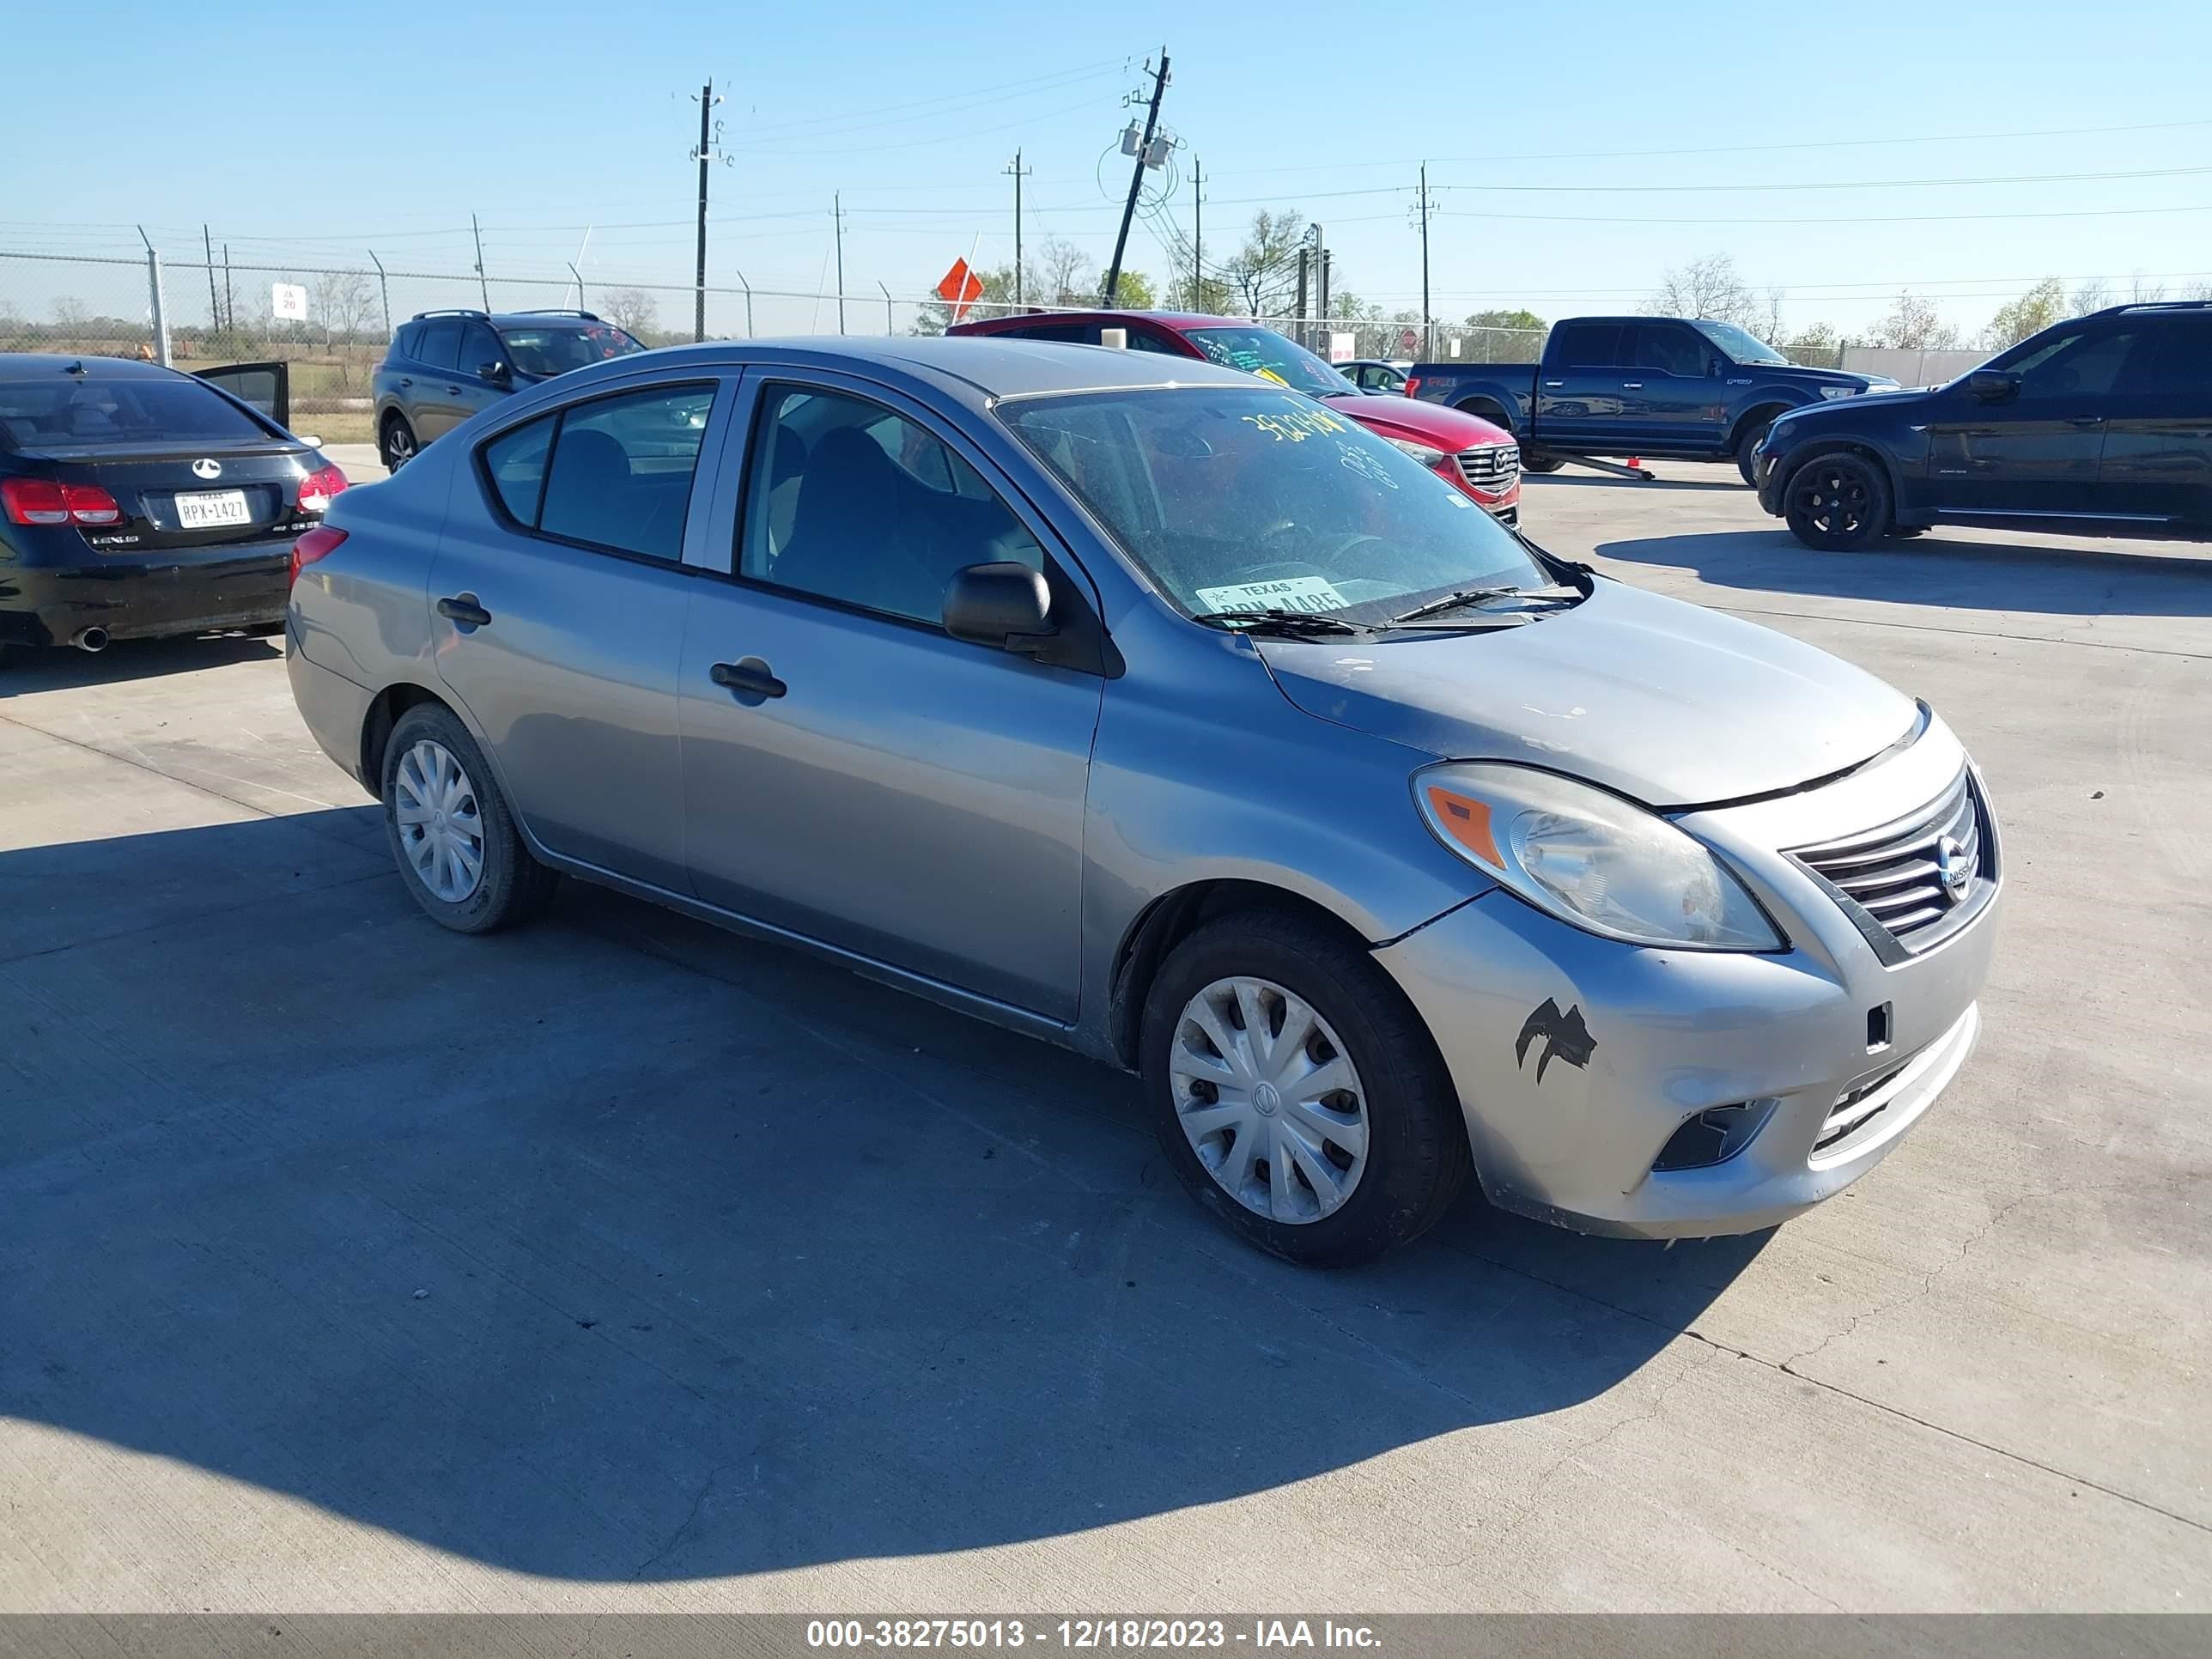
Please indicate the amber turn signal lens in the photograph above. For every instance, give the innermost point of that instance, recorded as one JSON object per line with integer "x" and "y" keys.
{"x": 1467, "y": 821}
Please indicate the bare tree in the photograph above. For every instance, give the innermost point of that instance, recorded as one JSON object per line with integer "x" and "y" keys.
{"x": 631, "y": 310}
{"x": 345, "y": 303}
{"x": 68, "y": 312}
{"x": 2142, "y": 291}
{"x": 1060, "y": 274}
{"x": 1913, "y": 325}
{"x": 2091, "y": 295}
{"x": 1264, "y": 272}
{"x": 1710, "y": 289}
{"x": 1773, "y": 315}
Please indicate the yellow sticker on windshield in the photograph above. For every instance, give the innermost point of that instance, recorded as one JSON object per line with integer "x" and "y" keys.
{"x": 1270, "y": 374}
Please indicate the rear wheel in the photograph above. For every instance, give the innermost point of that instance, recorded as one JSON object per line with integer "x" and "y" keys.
{"x": 1837, "y": 501}
{"x": 1534, "y": 461}
{"x": 452, "y": 835}
{"x": 396, "y": 442}
{"x": 1297, "y": 1092}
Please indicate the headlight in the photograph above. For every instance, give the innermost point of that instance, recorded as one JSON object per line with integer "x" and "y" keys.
{"x": 1426, "y": 454}
{"x": 1839, "y": 391}
{"x": 1591, "y": 859}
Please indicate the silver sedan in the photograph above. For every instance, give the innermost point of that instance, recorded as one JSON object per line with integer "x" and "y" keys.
{"x": 1130, "y": 704}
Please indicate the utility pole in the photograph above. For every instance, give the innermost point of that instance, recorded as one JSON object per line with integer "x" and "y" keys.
{"x": 1426, "y": 210}
{"x": 215, "y": 311}
{"x": 1299, "y": 333}
{"x": 1197, "y": 235}
{"x": 229, "y": 303}
{"x": 837, "y": 212}
{"x": 383, "y": 291}
{"x": 703, "y": 155}
{"x": 483, "y": 285}
{"x": 1017, "y": 170}
{"x": 1325, "y": 256}
{"x": 1137, "y": 175}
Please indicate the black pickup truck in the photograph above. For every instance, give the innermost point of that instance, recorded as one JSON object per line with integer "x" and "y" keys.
{"x": 1660, "y": 386}
{"x": 2098, "y": 426}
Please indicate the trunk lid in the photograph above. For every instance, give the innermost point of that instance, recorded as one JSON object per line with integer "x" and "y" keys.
{"x": 1664, "y": 701}
{"x": 259, "y": 480}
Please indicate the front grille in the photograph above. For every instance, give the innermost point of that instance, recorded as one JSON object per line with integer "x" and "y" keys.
{"x": 1493, "y": 469}
{"x": 1897, "y": 874}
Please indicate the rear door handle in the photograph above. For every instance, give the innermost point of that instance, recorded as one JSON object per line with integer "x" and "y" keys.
{"x": 455, "y": 390}
{"x": 407, "y": 380}
{"x": 748, "y": 677}
{"x": 2084, "y": 420}
{"x": 463, "y": 609}
{"x": 1631, "y": 385}
{"x": 1555, "y": 382}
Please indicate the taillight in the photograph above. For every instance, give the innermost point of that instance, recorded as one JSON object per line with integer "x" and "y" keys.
{"x": 1412, "y": 385}
{"x": 317, "y": 544}
{"x": 317, "y": 487}
{"x": 90, "y": 504}
{"x": 42, "y": 500}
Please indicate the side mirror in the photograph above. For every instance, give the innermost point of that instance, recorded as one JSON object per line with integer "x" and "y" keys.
{"x": 1994, "y": 385}
{"x": 1007, "y": 605}
{"x": 497, "y": 373}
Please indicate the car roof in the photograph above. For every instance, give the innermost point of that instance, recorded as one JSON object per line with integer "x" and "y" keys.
{"x": 996, "y": 367}
{"x": 37, "y": 365}
{"x": 1174, "y": 320}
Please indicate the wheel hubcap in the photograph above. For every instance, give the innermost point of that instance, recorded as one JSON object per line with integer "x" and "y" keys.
{"x": 1836, "y": 501}
{"x": 441, "y": 826}
{"x": 1269, "y": 1100}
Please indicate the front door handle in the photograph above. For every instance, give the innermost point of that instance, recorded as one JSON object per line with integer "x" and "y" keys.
{"x": 454, "y": 390}
{"x": 407, "y": 380}
{"x": 1631, "y": 385}
{"x": 2084, "y": 420}
{"x": 463, "y": 609}
{"x": 747, "y": 678}
{"x": 1555, "y": 385}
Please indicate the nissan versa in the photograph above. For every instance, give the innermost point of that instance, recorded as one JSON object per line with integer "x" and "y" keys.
{"x": 1175, "y": 718}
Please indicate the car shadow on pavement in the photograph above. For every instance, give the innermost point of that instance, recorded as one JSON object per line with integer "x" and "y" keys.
{"x": 1947, "y": 569}
{"x": 621, "y": 1248}
{"x": 58, "y": 669}
{"x": 1732, "y": 480}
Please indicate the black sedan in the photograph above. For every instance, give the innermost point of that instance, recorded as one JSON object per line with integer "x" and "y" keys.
{"x": 136, "y": 501}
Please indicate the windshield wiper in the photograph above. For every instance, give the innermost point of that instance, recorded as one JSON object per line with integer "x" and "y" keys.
{"x": 1437, "y": 607}
{"x": 1273, "y": 619}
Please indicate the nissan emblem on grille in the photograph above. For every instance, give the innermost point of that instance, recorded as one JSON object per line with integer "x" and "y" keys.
{"x": 1954, "y": 867}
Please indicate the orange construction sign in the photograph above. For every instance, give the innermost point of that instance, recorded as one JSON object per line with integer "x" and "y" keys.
{"x": 961, "y": 289}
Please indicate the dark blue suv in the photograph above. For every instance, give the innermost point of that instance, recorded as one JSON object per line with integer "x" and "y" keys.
{"x": 444, "y": 366}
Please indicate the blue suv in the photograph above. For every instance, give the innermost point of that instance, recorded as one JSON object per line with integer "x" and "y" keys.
{"x": 444, "y": 366}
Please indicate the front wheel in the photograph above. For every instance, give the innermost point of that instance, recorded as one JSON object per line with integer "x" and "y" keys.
{"x": 1837, "y": 501}
{"x": 1534, "y": 461}
{"x": 1297, "y": 1092}
{"x": 1747, "y": 451}
{"x": 452, "y": 834}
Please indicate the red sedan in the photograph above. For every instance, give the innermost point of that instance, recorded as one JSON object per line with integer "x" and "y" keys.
{"x": 1480, "y": 458}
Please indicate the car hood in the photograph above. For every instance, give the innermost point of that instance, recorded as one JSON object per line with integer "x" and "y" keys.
{"x": 1664, "y": 701}
{"x": 1439, "y": 427}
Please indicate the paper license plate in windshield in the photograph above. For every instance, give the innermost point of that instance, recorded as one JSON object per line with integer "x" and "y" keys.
{"x": 1290, "y": 593}
{"x": 205, "y": 509}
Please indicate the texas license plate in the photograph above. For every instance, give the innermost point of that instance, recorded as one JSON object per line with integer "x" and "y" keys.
{"x": 207, "y": 509}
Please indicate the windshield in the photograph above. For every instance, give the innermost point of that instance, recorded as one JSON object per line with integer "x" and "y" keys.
{"x": 1232, "y": 499}
{"x": 544, "y": 351}
{"x": 1744, "y": 348}
{"x": 65, "y": 412}
{"x": 1263, "y": 352}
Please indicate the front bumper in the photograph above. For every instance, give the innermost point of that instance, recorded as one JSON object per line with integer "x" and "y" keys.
{"x": 1568, "y": 1130}
{"x": 145, "y": 598}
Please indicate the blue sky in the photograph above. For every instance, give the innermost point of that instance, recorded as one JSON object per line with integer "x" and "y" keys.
{"x": 1560, "y": 141}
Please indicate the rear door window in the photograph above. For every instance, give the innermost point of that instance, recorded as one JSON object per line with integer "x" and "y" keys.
{"x": 2173, "y": 359}
{"x": 441, "y": 342}
{"x": 515, "y": 462}
{"x": 408, "y": 343}
{"x": 622, "y": 467}
{"x": 1586, "y": 345}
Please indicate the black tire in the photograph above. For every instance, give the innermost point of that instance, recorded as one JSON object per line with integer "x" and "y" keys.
{"x": 396, "y": 444}
{"x": 1746, "y": 445}
{"x": 1534, "y": 461}
{"x": 511, "y": 886}
{"x": 1417, "y": 1158}
{"x": 1837, "y": 501}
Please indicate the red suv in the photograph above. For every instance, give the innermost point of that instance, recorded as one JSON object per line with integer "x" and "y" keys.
{"x": 1480, "y": 458}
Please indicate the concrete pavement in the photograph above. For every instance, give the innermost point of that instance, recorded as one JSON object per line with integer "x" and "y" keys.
{"x": 621, "y": 1263}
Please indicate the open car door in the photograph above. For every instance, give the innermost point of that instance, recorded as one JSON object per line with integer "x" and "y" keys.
{"x": 266, "y": 386}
